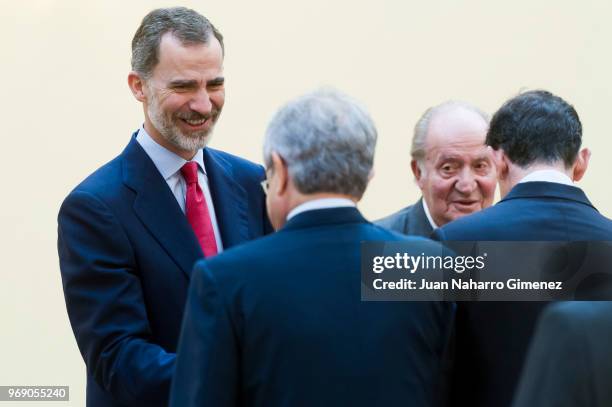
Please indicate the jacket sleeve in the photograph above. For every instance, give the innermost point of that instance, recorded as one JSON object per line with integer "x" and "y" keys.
{"x": 207, "y": 368}
{"x": 105, "y": 304}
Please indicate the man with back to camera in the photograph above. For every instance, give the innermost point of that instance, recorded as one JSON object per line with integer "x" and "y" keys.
{"x": 452, "y": 167}
{"x": 279, "y": 321}
{"x": 569, "y": 363}
{"x": 536, "y": 138}
{"x": 129, "y": 234}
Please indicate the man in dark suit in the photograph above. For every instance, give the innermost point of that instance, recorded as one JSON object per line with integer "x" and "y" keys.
{"x": 569, "y": 363}
{"x": 279, "y": 322}
{"x": 452, "y": 167}
{"x": 130, "y": 234}
{"x": 536, "y": 137}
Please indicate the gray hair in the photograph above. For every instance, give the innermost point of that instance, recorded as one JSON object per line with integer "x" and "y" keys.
{"x": 189, "y": 26}
{"x": 419, "y": 140}
{"x": 327, "y": 140}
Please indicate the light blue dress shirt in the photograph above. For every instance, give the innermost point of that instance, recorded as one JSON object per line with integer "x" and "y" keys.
{"x": 169, "y": 166}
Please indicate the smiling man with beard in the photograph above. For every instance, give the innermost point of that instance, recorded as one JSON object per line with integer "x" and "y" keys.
{"x": 131, "y": 232}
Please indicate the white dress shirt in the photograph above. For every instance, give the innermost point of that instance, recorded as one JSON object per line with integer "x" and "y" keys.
{"x": 322, "y": 203}
{"x": 169, "y": 166}
{"x": 548, "y": 176}
{"x": 429, "y": 218}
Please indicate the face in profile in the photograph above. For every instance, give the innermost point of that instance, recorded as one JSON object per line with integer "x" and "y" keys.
{"x": 457, "y": 176}
{"x": 186, "y": 92}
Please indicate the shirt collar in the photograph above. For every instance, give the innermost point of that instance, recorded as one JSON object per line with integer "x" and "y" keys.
{"x": 322, "y": 203}
{"x": 429, "y": 218}
{"x": 166, "y": 162}
{"x": 548, "y": 176}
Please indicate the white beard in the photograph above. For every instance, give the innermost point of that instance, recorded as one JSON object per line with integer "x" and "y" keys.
{"x": 166, "y": 126}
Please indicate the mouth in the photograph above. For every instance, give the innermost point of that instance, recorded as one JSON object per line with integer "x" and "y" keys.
{"x": 197, "y": 124}
{"x": 466, "y": 204}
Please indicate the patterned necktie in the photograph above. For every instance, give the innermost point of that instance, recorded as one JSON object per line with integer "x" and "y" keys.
{"x": 197, "y": 210}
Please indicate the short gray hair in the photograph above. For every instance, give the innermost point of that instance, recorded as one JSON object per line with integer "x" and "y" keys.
{"x": 419, "y": 140}
{"x": 327, "y": 140}
{"x": 189, "y": 26}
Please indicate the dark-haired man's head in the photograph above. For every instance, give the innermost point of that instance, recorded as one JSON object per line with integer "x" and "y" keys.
{"x": 533, "y": 131}
{"x": 177, "y": 74}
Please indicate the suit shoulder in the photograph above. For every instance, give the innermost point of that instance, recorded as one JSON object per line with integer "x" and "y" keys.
{"x": 237, "y": 162}
{"x": 235, "y": 261}
{"x": 395, "y": 220}
{"x": 478, "y": 225}
{"x": 380, "y": 233}
{"x": 425, "y": 244}
{"x": 606, "y": 224}
{"x": 245, "y": 172}
{"x": 103, "y": 182}
{"x": 262, "y": 248}
{"x": 389, "y": 234}
{"x": 245, "y": 263}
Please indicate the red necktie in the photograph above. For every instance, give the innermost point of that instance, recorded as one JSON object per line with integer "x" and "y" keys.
{"x": 197, "y": 210}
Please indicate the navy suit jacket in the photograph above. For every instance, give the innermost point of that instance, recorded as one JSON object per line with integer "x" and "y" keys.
{"x": 126, "y": 254}
{"x": 569, "y": 362}
{"x": 411, "y": 220}
{"x": 280, "y": 322}
{"x": 492, "y": 338}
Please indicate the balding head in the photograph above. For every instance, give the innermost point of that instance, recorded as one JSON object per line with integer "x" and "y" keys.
{"x": 450, "y": 161}
{"x": 458, "y": 115}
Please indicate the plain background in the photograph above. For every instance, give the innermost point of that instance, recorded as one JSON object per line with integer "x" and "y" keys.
{"x": 66, "y": 110}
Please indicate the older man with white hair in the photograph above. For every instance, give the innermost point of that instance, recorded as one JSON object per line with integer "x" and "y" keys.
{"x": 279, "y": 321}
{"x": 451, "y": 165}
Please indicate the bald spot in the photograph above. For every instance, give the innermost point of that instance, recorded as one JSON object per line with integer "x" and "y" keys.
{"x": 456, "y": 126}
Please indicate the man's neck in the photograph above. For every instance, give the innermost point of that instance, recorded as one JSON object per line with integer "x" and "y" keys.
{"x": 319, "y": 201}
{"x": 299, "y": 198}
{"x": 517, "y": 174}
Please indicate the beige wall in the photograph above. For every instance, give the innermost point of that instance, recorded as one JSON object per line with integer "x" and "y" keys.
{"x": 66, "y": 109}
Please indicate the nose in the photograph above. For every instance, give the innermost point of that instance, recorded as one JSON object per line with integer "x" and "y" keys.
{"x": 201, "y": 102}
{"x": 466, "y": 182}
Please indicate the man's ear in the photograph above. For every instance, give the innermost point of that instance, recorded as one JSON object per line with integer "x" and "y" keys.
{"x": 281, "y": 173}
{"x": 416, "y": 171}
{"x": 581, "y": 164}
{"x": 500, "y": 159}
{"x": 137, "y": 85}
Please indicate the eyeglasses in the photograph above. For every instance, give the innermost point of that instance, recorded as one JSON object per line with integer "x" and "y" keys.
{"x": 265, "y": 185}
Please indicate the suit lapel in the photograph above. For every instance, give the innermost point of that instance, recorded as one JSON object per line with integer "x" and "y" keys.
{"x": 229, "y": 199}
{"x": 417, "y": 222}
{"x": 156, "y": 207}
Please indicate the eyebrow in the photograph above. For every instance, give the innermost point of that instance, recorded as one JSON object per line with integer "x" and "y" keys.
{"x": 183, "y": 83}
{"x": 192, "y": 83}
{"x": 219, "y": 80}
{"x": 483, "y": 158}
{"x": 446, "y": 158}
{"x": 458, "y": 157}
